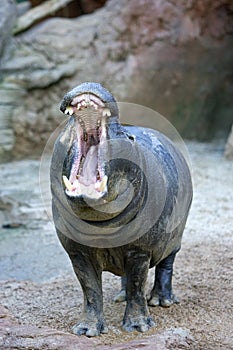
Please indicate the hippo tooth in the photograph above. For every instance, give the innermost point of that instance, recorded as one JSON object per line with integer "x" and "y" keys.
{"x": 106, "y": 112}
{"x": 69, "y": 110}
{"x": 103, "y": 183}
{"x": 67, "y": 183}
{"x": 87, "y": 98}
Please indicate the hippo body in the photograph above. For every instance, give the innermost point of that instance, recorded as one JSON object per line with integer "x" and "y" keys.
{"x": 107, "y": 190}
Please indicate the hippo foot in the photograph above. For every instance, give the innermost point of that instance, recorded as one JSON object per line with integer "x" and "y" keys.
{"x": 120, "y": 297}
{"x": 164, "y": 301}
{"x": 140, "y": 324}
{"x": 90, "y": 328}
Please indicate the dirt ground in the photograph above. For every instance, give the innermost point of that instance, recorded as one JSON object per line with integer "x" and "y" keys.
{"x": 203, "y": 272}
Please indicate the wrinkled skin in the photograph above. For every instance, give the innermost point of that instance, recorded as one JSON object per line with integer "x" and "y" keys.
{"x": 155, "y": 247}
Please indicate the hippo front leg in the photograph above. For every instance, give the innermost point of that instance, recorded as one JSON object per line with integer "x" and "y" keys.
{"x": 92, "y": 323}
{"x": 162, "y": 293}
{"x": 136, "y": 313}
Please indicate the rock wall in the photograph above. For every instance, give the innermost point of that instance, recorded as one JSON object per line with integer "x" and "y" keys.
{"x": 7, "y": 99}
{"x": 175, "y": 57}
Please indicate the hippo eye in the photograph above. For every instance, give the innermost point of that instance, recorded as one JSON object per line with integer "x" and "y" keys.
{"x": 131, "y": 137}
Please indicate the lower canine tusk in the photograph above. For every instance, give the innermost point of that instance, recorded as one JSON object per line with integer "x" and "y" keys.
{"x": 106, "y": 112}
{"x": 67, "y": 183}
{"x": 103, "y": 183}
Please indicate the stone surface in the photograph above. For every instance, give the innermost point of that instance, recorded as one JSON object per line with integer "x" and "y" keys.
{"x": 174, "y": 338}
{"x": 229, "y": 146}
{"x": 173, "y": 57}
{"x": 18, "y": 336}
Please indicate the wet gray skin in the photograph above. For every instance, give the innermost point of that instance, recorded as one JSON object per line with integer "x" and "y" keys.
{"x": 121, "y": 197}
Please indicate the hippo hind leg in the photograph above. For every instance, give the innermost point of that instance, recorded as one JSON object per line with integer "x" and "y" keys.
{"x": 121, "y": 296}
{"x": 136, "y": 313}
{"x": 161, "y": 293}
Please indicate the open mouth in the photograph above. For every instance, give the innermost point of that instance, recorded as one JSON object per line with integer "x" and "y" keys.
{"x": 87, "y": 176}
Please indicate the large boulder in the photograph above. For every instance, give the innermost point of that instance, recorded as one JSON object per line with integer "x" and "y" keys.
{"x": 175, "y": 57}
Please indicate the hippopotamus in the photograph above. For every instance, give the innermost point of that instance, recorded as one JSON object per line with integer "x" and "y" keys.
{"x": 120, "y": 200}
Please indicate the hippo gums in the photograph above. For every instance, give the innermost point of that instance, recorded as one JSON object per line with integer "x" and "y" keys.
{"x": 120, "y": 200}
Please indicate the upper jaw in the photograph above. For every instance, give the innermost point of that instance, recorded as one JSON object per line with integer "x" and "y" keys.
{"x": 87, "y": 100}
{"x": 87, "y": 176}
{"x": 94, "y": 89}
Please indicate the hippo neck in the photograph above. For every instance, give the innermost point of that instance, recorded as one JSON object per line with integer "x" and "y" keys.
{"x": 127, "y": 186}
{"x": 120, "y": 207}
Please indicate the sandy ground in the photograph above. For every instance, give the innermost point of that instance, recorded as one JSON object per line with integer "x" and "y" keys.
{"x": 38, "y": 285}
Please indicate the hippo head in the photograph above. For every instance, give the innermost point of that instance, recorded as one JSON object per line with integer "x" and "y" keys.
{"x": 100, "y": 178}
{"x": 93, "y": 110}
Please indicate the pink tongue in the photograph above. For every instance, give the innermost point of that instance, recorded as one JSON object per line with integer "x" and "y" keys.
{"x": 88, "y": 175}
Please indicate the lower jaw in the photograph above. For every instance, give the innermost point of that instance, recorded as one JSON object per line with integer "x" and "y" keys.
{"x": 93, "y": 208}
{"x": 105, "y": 207}
{"x": 93, "y": 191}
